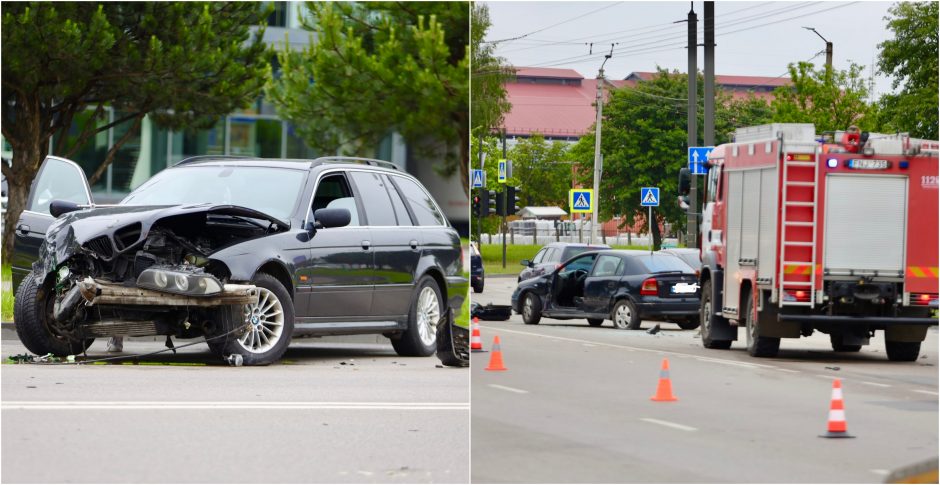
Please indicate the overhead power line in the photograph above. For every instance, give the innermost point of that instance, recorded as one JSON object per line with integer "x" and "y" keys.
{"x": 555, "y": 24}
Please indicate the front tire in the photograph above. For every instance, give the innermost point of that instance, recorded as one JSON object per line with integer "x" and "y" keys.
{"x": 419, "y": 340}
{"x": 706, "y": 318}
{"x": 260, "y": 332}
{"x": 625, "y": 316}
{"x": 478, "y": 288}
{"x": 902, "y": 351}
{"x": 32, "y": 313}
{"x": 758, "y": 346}
{"x": 531, "y": 309}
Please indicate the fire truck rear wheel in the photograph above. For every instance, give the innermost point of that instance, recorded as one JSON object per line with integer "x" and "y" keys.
{"x": 902, "y": 351}
{"x": 758, "y": 346}
{"x": 706, "y": 317}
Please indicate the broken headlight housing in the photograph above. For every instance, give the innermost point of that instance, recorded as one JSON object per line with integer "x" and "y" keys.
{"x": 173, "y": 281}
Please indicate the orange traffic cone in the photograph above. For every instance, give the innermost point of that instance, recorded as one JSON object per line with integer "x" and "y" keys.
{"x": 836, "y": 414}
{"x": 496, "y": 358}
{"x": 664, "y": 390}
{"x": 476, "y": 343}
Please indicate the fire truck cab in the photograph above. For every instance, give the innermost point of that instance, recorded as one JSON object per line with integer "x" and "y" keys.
{"x": 835, "y": 233}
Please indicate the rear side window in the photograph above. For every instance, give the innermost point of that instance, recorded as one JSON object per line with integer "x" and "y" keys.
{"x": 401, "y": 213}
{"x": 58, "y": 180}
{"x": 608, "y": 266}
{"x": 661, "y": 263}
{"x": 422, "y": 205}
{"x": 375, "y": 198}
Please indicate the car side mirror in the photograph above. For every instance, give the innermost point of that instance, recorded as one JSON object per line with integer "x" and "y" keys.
{"x": 685, "y": 181}
{"x": 526, "y": 262}
{"x": 58, "y": 207}
{"x": 326, "y": 218}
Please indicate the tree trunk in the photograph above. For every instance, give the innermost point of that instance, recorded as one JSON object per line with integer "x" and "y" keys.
{"x": 27, "y": 158}
{"x": 657, "y": 236}
{"x": 465, "y": 162}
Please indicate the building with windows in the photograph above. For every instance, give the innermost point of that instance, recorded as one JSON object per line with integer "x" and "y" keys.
{"x": 255, "y": 131}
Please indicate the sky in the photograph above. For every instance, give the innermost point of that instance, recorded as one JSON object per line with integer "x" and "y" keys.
{"x": 558, "y": 34}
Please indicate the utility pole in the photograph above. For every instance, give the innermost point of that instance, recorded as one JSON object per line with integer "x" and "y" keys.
{"x": 483, "y": 193}
{"x": 709, "y": 128}
{"x": 828, "y": 50}
{"x": 693, "y": 123}
{"x": 598, "y": 162}
{"x": 502, "y": 210}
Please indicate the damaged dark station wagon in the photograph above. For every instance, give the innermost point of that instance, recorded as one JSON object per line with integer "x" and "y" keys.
{"x": 245, "y": 252}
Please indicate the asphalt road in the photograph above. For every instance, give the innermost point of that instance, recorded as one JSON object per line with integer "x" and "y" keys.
{"x": 328, "y": 413}
{"x": 574, "y": 407}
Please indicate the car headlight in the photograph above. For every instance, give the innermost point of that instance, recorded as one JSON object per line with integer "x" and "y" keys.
{"x": 179, "y": 282}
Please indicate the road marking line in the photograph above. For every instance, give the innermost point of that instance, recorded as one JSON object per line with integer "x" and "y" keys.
{"x": 728, "y": 362}
{"x": 627, "y": 347}
{"x": 879, "y": 471}
{"x": 876, "y": 384}
{"x": 50, "y": 405}
{"x": 589, "y": 345}
{"x": 926, "y": 392}
{"x": 668, "y": 424}
{"x": 510, "y": 389}
{"x": 787, "y": 370}
{"x": 824, "y": 376}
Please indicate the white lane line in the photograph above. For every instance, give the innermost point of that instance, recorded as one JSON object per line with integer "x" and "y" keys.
{"x": 668, "y": 424}
{"x": 787, "y": 370}
{"x": 824, "y": 376}
{"x": 627, "y": 347}
{"x": 589, "y": 345}
{"x": 120, "y": 405}
{"x": 932, "y": 393}
{"x": 510, "y": 389}
{"x": 876, "y": 384}
{"x": 879, "y": 471}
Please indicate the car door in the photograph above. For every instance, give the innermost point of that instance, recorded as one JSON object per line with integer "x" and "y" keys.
{"x": 396, "y": 243}
{"x": 602, "y": 283}
{"x": 339, "y": 276}
{"x": 58, "y": 179}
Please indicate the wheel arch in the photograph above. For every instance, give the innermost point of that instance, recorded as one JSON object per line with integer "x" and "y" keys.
{"x": 277, "y": 269}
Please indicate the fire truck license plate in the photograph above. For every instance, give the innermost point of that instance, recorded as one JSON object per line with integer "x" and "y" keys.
{"x": 684, "y": 288}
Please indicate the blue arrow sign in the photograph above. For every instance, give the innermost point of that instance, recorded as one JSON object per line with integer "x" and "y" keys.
{"x": 478, "y": 179}
{"x": 649, "y": 196}
{"x": 581, "y": 200}
{"x": 697, "y": 158}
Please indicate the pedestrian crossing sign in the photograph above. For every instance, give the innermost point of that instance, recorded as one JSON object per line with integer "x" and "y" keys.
{"x": 581, "y": 200}
{"x": 501, "y": 173}
{"x": 478, "y": 180}
{"x": 649, "y": 196}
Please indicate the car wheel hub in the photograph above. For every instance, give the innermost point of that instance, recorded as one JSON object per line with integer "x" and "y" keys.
{"x": 623, "y": 316}
{"x": 428, "y": 313}
{"x": 267, "y": 323}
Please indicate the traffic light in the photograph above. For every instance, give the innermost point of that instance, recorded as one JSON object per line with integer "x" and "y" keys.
{"x": 489, "y": 203}
{"x": 476, "y": 205}
{"x": 501, "y": 203}
{"x": 514, "y": 193}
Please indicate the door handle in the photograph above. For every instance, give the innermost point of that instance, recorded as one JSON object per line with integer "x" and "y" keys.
{"x": 414, "y": 244}
{"x": 366, "y": 244}
{"x": 22, "y": 229}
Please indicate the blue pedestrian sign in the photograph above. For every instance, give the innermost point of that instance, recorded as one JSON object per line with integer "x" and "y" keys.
{"x": 478, "y": 179}
{"x": 581, "y": 200}
{"x": 501, "y": 171}
{"x": 649, "y": 196}
{"x": 697, "y": 158}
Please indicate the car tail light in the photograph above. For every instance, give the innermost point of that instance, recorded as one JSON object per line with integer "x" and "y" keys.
{"x": 649, "y": 287}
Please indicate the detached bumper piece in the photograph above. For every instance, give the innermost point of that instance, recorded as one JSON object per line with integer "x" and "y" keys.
{"x": 105, "y": 293}
{"x": 490, "y": 311}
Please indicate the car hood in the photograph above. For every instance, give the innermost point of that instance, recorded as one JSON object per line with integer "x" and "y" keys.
{"x": 68, "y": 233}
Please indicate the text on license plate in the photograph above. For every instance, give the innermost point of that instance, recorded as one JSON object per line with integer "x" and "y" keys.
{"x": 684, "y": 288}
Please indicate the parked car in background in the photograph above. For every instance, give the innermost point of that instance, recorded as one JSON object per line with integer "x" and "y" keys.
{"x": 625, "y": 286}
{"x": 477, "y": 275}
{"x": 552, "y": 255}
{"x": 691, "y": 256}
{"x": 245, "y": 252}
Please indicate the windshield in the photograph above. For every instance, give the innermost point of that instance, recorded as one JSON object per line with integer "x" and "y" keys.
{"x": 663, "y": 263}
{"x": 572, "y": 251}
{"x": 273, "y": 191}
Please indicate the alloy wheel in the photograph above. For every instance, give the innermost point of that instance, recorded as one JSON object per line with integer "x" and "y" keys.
{"x": 265, "y": 321}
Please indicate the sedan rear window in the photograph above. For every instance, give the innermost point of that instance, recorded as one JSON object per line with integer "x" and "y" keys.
{"x": 662, "y": 263}
{"x": 273, "y": 191}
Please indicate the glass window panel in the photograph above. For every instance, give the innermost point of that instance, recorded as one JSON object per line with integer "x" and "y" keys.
{"x": 375, "y": 199}
{"x": 422, "y": 205}
{"x": 333, "y": 192}
{"x": 254, "y": 137}
{"x": 401, "y": 213}
{"x": 127, "y": 156}
{"x": 607, "y": 266}
{"x": 58, "y": 180}
{"x": 296, "y": 147}
{"x": 198, "y": 142}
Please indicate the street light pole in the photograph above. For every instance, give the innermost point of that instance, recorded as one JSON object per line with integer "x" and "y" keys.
{"x": 598, "y": 161}
{"x": 828, "y": 48}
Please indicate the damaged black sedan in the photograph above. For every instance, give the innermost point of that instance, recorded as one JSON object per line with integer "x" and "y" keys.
{"x": 247, "y": 253}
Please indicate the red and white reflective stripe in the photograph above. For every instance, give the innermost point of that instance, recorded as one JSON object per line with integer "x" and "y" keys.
{"x": 476, "y": 343}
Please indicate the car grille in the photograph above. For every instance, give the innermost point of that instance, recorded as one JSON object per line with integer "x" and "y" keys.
{"x": 101, "y": 245}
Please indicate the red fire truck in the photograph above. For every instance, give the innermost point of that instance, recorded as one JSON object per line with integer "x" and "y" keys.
{"x": 835, "y": 233}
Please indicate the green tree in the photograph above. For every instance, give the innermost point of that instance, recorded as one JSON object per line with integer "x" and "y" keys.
{"x": 183, "y": 63}
{"x": 489, "y": 74}
{"x": 911, "y": 58}
{"x": 831, "y": 104}
{"x": 379, "y": 67}
{"x": 542, "y": 171}
{"x": 644, "y": 143}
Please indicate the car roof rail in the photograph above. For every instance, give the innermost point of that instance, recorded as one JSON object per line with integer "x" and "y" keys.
{"x": 200, "y": 158}
{"x": 364, "y": 161}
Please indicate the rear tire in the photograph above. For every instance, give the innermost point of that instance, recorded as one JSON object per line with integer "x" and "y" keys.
{"x": 836, "y": 340}
{"x": 690, "y": 324}
{"x": 32, "y": 314}
{"x": 595, "y": 322}
{"x": 531, "y": 309}
{"x": 625, "y": 316}
{"x": 706, "y": 318}
{"x": 427, "y": 306}
{"x": 259, "y": 333}
{"x": 758, "y": 346}
{"x": 902, "y": 351}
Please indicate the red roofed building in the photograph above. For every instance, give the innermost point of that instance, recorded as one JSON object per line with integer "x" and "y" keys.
{"x": 738, "y": 86}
